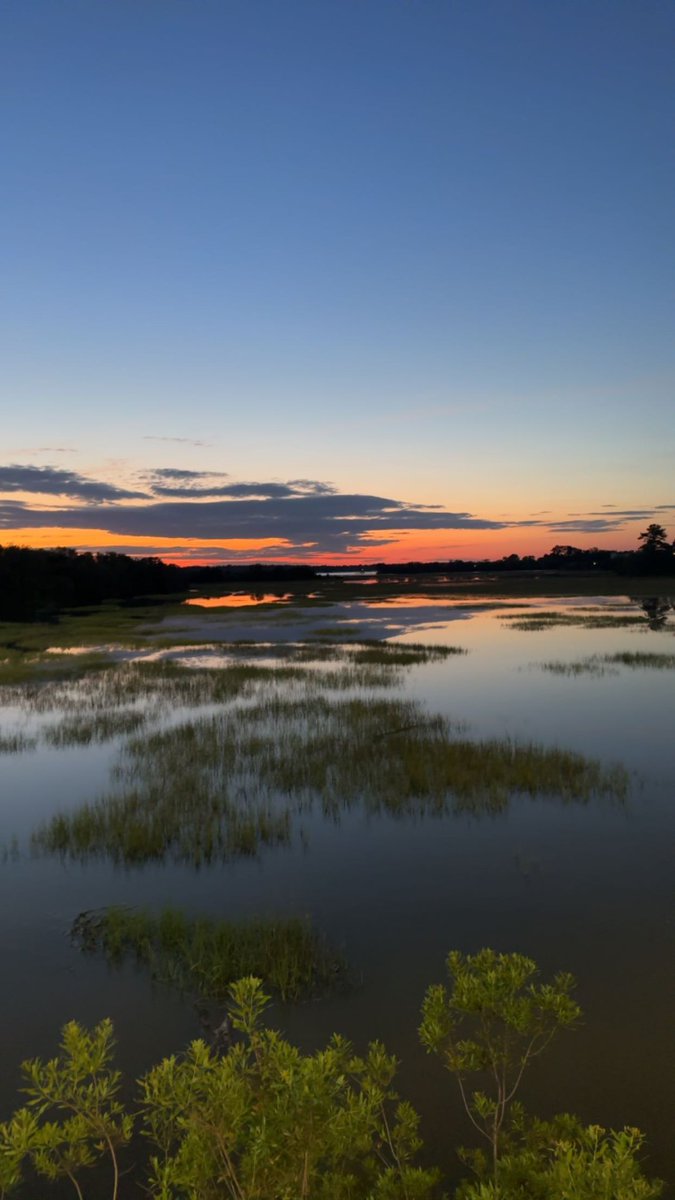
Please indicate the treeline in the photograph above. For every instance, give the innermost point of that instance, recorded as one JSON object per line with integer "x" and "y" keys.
{"x": 37, "y": 584}
{"x": 644, "y": 561}
{"x": 247, "y": 573}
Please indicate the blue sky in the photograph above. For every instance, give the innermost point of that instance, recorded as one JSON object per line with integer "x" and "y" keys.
{"x": 414, "y": 249}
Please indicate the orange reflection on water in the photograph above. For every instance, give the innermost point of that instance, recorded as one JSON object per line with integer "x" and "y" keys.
{"x": 238, "y": 600}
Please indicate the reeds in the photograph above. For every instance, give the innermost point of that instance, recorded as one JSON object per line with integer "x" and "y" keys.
{"x": 205, "y": 955}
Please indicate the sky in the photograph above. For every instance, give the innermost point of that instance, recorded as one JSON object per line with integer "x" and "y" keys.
{"x": 336, "y": 280}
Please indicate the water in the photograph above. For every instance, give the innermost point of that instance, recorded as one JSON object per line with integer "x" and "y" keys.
{"x": 588, "y": 888}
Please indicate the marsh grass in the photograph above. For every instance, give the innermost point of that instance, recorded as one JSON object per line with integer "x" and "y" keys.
{"x": 228, "y": 784}
{"x": 162, "y": 682}
{"x": 84, "y": 729}
{"x": 608, "y": 664}
{"x": 638, "y": 660}
{"x": 16, "y": 743}
{"x": 589, "y": 666}
{"x": 545, "y": 620}
{"x": 177, "y": 826}
{"x": 19, "y": 667}
{"x": 205, "y": 955}
{"x": 403, "y": 654}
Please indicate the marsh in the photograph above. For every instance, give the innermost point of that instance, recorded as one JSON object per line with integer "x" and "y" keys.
{"x": 401, "y": 778}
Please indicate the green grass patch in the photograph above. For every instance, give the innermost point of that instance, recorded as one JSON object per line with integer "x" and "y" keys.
{"x": 231, "y": 783}
{"x": 206, "y": 956}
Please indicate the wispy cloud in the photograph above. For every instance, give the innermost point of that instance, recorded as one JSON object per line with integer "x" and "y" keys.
{"x": 182, "y": 441}
{"x": 587, "y": 525}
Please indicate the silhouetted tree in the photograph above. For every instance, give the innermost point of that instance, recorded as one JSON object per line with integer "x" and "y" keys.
{"x": 654, "y": 539}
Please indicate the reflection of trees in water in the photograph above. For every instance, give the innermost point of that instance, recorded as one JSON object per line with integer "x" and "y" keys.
{"x": 656, "y": 609}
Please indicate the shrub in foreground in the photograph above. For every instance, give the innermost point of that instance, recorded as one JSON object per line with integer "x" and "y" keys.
{"x": 266, "y": 1122}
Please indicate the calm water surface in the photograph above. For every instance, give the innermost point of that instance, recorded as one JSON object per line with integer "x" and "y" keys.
{"x": 588, "y": 888}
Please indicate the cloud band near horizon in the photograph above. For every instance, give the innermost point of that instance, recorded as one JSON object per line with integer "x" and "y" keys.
{"x": 192, "y": 514}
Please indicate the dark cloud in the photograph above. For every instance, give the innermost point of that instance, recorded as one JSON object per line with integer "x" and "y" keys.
{"x": 263, "y": 491}
{"x": 587, "y": 525}
{"x": 328, "y": 521}
{"x": 195, "y": 485}
{"x": 179, "y": 473}
{"x": 313, "y": 486}
{"x": 626, "y": 514}
{"x": 308, "y": 516}
{"x": 53, "y": 481}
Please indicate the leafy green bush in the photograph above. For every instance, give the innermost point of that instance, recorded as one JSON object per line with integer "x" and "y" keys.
{"x": 265, "y": 1122}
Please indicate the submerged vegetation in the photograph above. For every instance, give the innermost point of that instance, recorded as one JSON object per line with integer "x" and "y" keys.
{"x": 230, "y": 782}
{"x": 206, "y": 956}
{"x": 264, "y": 1120}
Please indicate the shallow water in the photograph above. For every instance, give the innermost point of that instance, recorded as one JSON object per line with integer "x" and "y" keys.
{"x": 586, "y": 887}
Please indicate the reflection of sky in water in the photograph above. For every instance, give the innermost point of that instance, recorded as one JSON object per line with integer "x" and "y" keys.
{"x": 587, "y": 888}
{"x": 237, "y": 600}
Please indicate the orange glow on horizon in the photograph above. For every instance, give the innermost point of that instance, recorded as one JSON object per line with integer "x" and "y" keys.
{"x": 406, "y": 545}
{"x": 51, "y": 537}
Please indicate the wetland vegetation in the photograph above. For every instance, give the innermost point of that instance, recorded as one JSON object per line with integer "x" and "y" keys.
{"x": 608, "y": 664}
{"x": 264, "y": 1120}
{"x": 231, "y": 782}
{"x": 205, "y": 955}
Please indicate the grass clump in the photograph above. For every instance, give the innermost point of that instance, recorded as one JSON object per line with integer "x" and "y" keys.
{"x": 231, "y": 783}
{"x": 545, "y": 620}
{"x": 143, "y": 825}
{"x": 205, "y": 955}
{"x": 83, "y": 729}
{"x": 403, "y": 654}
{"x": 16, "y": 743}
{"x": 589, "y": 666}
{"x": 639, "y": 661}
{"x": 607, "y": 664}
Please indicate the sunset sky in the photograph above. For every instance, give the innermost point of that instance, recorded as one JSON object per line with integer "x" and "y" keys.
{"x": 336, "y": 279}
